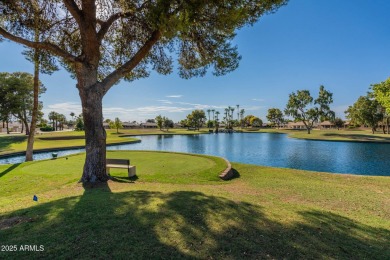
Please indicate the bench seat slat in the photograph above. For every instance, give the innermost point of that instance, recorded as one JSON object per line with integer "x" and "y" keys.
{"x": 117, "y": 166}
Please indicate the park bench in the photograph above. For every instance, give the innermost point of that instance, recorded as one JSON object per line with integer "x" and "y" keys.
{"x": 122, "y": 164}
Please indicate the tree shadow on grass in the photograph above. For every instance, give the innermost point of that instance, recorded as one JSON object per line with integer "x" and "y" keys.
{"x": 7, "y": 141}
{"x": 123, "y": 179}
{"x": 185, "y": 224}
{"x": 235, "y": 175}
{"x": 12, "y": 167}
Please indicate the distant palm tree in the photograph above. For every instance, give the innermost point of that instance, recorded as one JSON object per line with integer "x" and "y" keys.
{"x": 213, "y": 110}
{"x": 231, "y": 118}
{"x": 52, "y": 117}
{"x": 208, "y": 123}
{"x": 62, "y": 120}
{"x": 216, "y": 121}
{"x": 242, "y": 113}
{"x": 226, "y": 116}
{"x": 238, "y": 112}
{"x": 72, "y": 115}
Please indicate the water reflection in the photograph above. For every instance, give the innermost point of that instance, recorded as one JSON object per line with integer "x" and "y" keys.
{"x": 265, "y": 149}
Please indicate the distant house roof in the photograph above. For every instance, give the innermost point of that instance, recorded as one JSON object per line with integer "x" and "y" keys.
{"x": 300, "y": 123}
{"x": 149, "y": 124}
{"x": 130, "y": 124}
{"x": 328, "y": 123}
{"x": 296, "y": 124}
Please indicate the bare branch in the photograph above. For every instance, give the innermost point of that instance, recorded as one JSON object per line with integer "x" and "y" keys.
{"x": 39, "y": 45}
{"x": 74, "y": 10}
{"x": 116, "y": 75}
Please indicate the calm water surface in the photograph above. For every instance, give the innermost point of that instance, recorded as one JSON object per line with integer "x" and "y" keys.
{"x": 265, "y": 149}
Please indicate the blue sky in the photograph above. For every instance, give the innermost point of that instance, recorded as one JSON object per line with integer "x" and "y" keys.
{"x": 341, "y": 44}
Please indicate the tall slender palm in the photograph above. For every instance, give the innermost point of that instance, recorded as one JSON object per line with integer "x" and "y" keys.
{"x": 72, "y": 115}
{"x": 238, "y": 112}
{"x": 226, "y": 119}
{"x": 52, "y": 117}
{"x": 216, "y": 121}
{"x": 213, "y": 110}
{"x": 242, "y": 113}
{"x": 208, "y": 112}
{"x": 231, "y": 117}
{"x": 208, "y": 123}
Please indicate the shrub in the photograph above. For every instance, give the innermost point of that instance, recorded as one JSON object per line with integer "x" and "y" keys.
{"x": 46, "y": 128}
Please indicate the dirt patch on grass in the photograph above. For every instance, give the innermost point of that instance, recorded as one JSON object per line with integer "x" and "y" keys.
{"x": 10, "y": 222}
{"x": 56, "y": 138}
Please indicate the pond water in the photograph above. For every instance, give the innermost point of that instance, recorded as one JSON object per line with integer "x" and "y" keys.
{"x": 264, "y": 149}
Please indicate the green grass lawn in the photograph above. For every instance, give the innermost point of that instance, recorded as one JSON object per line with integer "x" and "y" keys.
{"x": 178, "y": 208}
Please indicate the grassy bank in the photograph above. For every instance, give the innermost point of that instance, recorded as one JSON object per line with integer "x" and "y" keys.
{"x": 329, "y": 135}
{"x": 178, "y": 208}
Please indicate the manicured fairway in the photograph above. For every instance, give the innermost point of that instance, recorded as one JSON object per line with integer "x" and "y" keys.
{"x": 178, "y": 208}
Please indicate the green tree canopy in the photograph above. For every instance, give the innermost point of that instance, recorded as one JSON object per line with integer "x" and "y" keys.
{"x": 116, "y": 124}
{"x": 103, "y": 41}
{"x": 159, "y": 121}
{"x": 256, "y": 122}
{"x": 168, "y": 123}
{"x": 196, "y": 119}
{"x": 275, "y": 116}
{"x": 338, "y": 122}
{"x": 16, "y": 96}
{"x": 365, "y": 111}
{"x": 381, "y": 92}
{"x": 300, "y": 106}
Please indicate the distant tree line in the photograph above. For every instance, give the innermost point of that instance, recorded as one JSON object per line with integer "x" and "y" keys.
{"x": 16, "y": 99}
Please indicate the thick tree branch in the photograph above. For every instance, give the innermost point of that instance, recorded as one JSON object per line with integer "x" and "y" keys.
{"x": 116, "y": 75}
{"x": 74, "y": 10}
{"x": 54, "y": 49}
{"x": 105, "y": 26}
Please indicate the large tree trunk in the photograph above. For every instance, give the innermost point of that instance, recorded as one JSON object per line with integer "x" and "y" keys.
{"x": 31, "y": 136}
{"x": 25, "y": 123}
{"x": 95, "y": 135}
{"x": 23, "y": 119}
{"x": 308, "y": 130}
{"x": 7, "y": 127}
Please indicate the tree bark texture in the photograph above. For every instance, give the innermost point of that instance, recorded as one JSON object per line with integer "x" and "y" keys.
{"x": 95, "y": 134}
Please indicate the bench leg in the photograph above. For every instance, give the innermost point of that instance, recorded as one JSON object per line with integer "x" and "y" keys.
{"x": 131, "y": 171}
